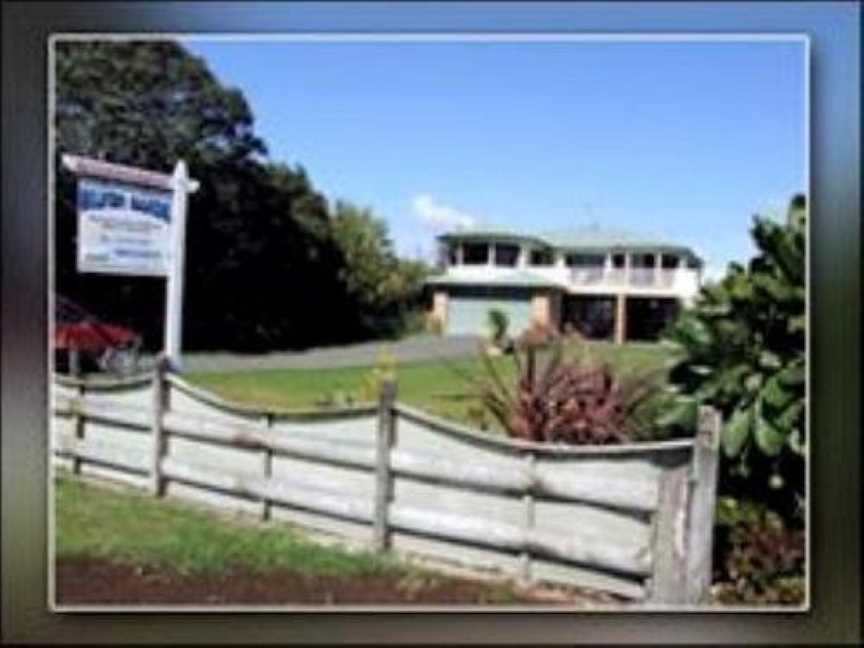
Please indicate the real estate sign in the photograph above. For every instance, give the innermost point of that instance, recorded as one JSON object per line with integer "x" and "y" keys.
{"x": 122, "y": 228}
{"x": 132, "y": 221}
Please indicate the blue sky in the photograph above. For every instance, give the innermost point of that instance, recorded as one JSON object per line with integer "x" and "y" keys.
{"x": 684, "y": 140}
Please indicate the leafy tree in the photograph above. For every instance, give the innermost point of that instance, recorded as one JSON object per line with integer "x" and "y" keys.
{"x": 744, "y": 351}
{"x": 261, "y": 269}
{"x": 383, "y": 287}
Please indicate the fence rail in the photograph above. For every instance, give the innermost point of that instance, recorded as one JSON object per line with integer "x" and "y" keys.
{"x": 633, "y": 519}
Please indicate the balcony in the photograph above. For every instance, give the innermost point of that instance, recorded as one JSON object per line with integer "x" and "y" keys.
{"x": 634, "y": 277}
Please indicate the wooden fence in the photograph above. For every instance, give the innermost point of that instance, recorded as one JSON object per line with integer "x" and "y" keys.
{"x": 635, "y": 519}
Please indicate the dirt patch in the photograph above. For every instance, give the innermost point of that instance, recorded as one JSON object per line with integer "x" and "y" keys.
{"x": 91, "y": 581}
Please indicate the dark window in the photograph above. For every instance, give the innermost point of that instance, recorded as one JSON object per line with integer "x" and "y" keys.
{"x": 618, "y": 260}
{"x": 448, "y": 254}
{"x": 585, "y": 260}
{"x": 693, "y": 263}
{"x": 669, "y": 261}
{"x": 475, "y": 253}
{"x": 643, "y": 261}
{"x": 541, "y": 257}
{"x": 506, "y": 255}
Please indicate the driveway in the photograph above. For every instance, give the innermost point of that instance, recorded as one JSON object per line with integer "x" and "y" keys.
{"x": 412, "y": 349}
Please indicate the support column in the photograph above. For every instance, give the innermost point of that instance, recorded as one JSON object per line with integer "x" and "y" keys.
{"x": 540, "y": 307}
{"x": 620, "y": 318}
{"x": 439, "y": 308}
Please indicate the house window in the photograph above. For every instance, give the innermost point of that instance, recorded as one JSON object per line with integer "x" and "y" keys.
{"x": 669, "y": 261}
{"x": 618, "y": 260}
{"x": 643, "y": 260}
{"x": 475, "y": 253}
{"x": 506, "y": 255}
{"x": 542, "y": 257}
{"x": 584, "y": 260}
{"x": 452, "y": 254}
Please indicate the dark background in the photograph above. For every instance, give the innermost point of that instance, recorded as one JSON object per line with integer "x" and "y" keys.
{"x": 835, "y": 331}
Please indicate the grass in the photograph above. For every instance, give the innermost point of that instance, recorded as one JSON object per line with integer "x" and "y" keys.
{"x": 127, "y": 526}
{"x": 123, "y": 525}
{"x": 439, "y": 386}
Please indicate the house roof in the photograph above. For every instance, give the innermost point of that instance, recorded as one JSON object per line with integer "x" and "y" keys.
{"x": 511, "y": 278}
{"x": 585, "y": 238}
{"x": 497, "y": 233}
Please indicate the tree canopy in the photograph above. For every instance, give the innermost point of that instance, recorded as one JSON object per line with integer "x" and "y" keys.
{"x": 267, "y": 263}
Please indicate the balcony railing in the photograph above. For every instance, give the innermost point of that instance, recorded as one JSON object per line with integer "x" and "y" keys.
{"x": 642, "y": 277}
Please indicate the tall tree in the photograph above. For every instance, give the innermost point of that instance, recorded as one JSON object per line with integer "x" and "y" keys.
{"x": 383, "y": 288}
{"x": 257, "y": 247}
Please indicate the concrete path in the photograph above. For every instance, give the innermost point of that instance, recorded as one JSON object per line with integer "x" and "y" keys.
{"x": 413, "y": 349}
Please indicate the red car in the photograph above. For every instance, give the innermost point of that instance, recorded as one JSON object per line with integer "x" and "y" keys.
{"x": 83, "y": 341}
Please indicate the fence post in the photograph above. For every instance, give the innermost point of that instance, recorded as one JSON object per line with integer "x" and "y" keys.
{"x": 158, "y": 410}
{"x": 383, "y": 476}
{"x": 79, "y": 425}
{"x": 267, "y": 465}
{"x": 703, "y": 489}
{"x": 525, "y": 574}
{"x": 74, "y": 356}
{"x": 668, "y": 579}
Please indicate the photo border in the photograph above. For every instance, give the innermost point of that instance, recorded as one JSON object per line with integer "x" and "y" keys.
{"x": 425, "y": 38}
{"x": 834, "y": 357}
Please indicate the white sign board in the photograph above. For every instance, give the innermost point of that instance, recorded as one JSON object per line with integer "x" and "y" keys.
{"x": 132, "y": 221}
{"x": 123, "y": 228}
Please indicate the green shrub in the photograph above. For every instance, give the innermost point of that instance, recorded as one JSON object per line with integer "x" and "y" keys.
{"x": 383, "y": 371}
{"x": 744, "y": 346}
{"x": 759, "y": 559}
{"x": 434, "y": 325}
{"x": 498, "y": 325}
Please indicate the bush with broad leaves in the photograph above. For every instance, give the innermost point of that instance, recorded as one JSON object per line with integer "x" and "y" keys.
{"x": 744, "y": 352}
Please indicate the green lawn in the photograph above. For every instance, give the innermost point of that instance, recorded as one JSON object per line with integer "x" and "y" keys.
{"x": 128, "y": 526}
{"x": 439, "y": 387}
{"x": 191, "y": 552}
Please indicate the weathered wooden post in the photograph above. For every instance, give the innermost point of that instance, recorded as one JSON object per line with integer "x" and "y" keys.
{"x": 703, "y": 491}
{"x": 74, "y": 362}
{"x": 160, "y": 392}
{"x": 78, "y": 406}
{"x": 383, "y": 476}
{"x": 669, "y": 577}
{"x": 525, "y": 571}
{"x": 267, "y": 465}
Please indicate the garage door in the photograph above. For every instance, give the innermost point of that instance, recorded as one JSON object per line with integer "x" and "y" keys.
{"x": 468, "y": 311}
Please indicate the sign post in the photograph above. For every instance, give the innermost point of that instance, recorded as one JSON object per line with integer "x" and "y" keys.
{"x": 132, "y": 221}
{"x": 176, "y": 261}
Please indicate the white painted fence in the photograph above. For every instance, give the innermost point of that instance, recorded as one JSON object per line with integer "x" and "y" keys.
{"x": 631, "y": 519}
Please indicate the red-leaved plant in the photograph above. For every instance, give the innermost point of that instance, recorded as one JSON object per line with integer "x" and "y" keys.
{"x": 562, "y": 401}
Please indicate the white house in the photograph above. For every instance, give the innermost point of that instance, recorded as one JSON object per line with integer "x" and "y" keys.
{"x": 605, "y": 284}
